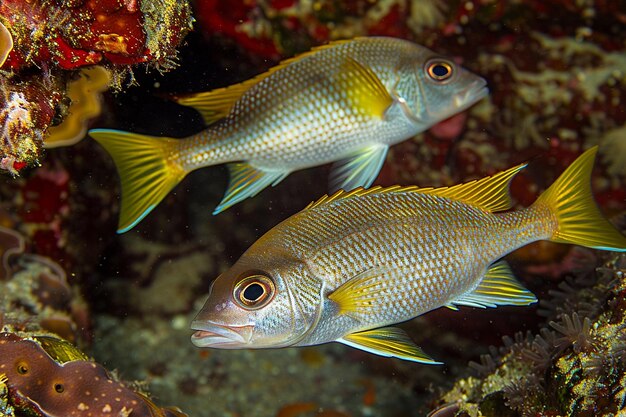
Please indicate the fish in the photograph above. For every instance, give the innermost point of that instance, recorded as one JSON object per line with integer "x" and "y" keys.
{"x": 352, "y": 264}
{"x": 345, "y": 102}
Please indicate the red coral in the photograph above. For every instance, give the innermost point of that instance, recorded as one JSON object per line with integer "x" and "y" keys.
{"x": 77, "y": 33}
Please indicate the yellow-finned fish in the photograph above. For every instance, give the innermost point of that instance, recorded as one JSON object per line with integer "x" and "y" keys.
{"x": 345, "y": 102}
{"x": 354, "y": 262}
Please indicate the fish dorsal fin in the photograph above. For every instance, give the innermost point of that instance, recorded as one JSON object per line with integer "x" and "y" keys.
{"x": 358, "y": 192}
{"x": 216, "y": 104}
{"x": 489, "y": 193}
{"x": 389, "y": 342}
{"x": 498, "y": 287}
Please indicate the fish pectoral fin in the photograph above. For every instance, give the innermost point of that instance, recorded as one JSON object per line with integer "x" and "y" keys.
{"x": 390, "y": 342}
{"x": 498, "y": 287}
{"x": 364, "y": 90}
{"x": 358, "y": 295}
{"x": 359, "y": 169}
{"x": 247, "y": 181}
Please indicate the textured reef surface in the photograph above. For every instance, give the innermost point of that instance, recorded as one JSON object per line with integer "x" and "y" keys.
{"x": 73, "y": 294}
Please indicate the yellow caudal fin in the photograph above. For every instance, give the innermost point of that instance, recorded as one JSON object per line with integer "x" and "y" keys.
{"x": 579, "y": 219}
{"x": 147, "y": 169}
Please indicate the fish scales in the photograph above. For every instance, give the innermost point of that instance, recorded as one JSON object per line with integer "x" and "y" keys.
{"x": 266, "y": 125}
{"x": 345, "y": 103}
{"x": 421, "y": 240}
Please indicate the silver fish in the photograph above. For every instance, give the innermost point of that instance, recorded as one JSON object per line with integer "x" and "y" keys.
{"x": 355, "y": 262}
{"x": 346, "y": 102}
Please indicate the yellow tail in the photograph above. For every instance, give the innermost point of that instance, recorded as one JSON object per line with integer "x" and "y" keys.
{"x": 148, "y": 171}
{"x": 579, "y": 219}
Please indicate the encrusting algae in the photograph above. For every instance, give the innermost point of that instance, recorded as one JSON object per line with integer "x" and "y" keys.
{"x": 84, "y": 93}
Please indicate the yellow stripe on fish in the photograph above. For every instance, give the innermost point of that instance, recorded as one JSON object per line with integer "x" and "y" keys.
{"x": 345, "y": 102}
{"x": 353, "y": 263}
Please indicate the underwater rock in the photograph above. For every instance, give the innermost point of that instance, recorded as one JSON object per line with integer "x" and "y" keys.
{"x": 35, "y": 294}
{"x": 40, "y": 383}
{"x": 42, "y": 373}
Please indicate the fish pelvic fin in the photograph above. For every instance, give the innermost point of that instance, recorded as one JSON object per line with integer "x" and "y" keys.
{"x": 579, "y": 220}
{"x": 247, "y": 181}
{"x": 359, "y": 169}
{"x": 148, "y": 170}
{"x": 389, "y": 342}
{"x": 366, "y": 93}
{"x": 498, "y": 287}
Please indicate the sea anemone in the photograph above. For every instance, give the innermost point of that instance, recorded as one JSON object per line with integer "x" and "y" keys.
{"x": 576, "y": 332}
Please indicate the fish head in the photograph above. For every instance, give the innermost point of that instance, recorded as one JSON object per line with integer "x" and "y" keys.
{"x": 253, "y": 305}
{"x": 437, "y": 88}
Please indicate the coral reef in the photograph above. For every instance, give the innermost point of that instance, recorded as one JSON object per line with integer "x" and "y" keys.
{"x": 557, "y": 81}
{"x": 44, "y": 43}
{"x": 6, "y": 43}
{"x": 36, "y": 295}
{"x": 574, "y": 366}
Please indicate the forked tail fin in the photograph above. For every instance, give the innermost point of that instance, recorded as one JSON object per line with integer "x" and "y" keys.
{"x": 579, "y": 219}
{"x": 148, "y": 171}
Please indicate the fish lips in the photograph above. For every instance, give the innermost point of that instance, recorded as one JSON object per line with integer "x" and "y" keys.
{"x": 475, "y": 92}
{"x": 220, "y": 336}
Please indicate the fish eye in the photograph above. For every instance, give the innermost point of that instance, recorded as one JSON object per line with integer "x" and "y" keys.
{"x": 254, "y": 291}
{"x": 439, "y": 69}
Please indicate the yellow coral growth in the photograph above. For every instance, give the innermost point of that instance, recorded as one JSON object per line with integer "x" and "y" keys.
{"x": 6, "y": 43}
{"x": 85, "y": 95}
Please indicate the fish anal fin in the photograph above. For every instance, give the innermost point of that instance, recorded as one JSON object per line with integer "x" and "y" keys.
{"x": 498, "y": 287}
{"x": 358, "y": 295}
{"x": 366, "y": 92}
{"x": 247, "y": 181}
{"x": 359, "y": 169}
{"x": 389, "y": 342}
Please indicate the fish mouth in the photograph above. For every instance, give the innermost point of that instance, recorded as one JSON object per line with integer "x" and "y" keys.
{"x": 219, "y": 335}
{"x": 475, "y": 92}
